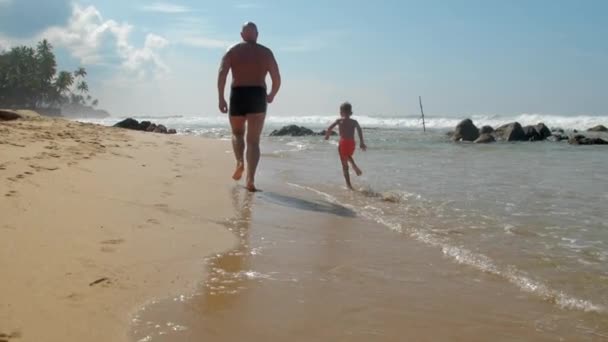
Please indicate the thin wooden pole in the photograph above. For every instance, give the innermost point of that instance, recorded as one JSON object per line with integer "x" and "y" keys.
{"x": 422, "y": 111}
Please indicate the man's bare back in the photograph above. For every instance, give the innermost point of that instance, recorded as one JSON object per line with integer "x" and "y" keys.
{"x": 250, "y": 63}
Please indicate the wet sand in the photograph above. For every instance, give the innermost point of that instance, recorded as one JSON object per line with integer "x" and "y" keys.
{"x": 96, "y": 221}
{"x": 309, "y": 270}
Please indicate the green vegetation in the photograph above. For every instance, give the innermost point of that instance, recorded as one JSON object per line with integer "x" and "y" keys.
{"x": 29, "y": 79}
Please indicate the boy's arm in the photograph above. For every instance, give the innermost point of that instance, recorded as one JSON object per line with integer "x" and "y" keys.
{"x": 360, "y": 132}
{"x": 330, "y": 129}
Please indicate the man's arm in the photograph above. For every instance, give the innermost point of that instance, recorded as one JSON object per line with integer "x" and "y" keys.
{"x": 221, "y": 82}
{"x": 275, "y": 76}
{"x": 330, "y": 129}
{"x": 360, "y": 132}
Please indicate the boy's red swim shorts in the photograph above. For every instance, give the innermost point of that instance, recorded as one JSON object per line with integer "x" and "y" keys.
{"x": 346, "y": 147}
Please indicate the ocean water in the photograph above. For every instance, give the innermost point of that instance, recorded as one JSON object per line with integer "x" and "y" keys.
{"x": 534, "y": 216}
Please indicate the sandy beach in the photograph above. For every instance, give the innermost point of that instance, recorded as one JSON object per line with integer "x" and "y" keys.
{"x": 96, "y": 221}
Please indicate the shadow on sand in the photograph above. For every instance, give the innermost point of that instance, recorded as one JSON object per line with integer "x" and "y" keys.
{"x": 298, "y": 203}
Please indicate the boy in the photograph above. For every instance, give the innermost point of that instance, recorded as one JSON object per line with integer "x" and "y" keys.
{"x": 347, "y": 144}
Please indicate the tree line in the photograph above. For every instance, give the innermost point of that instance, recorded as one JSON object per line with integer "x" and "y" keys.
{"x": 29, "y": 79}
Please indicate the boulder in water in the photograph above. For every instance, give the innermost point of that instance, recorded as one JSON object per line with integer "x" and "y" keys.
{"x": 486, "y": 130}
{"x": 583, "y": 140}
{"x": 172, "y": 131}
{"x": 531, "y": 133}
{"x": 466, "y": 131}
{"x": 543, "y": 131}
{"x": 151, "y": 128}
{"x": 485, "y": 139}
{"x": 598, "y": 128}
{"x": 511, "y": 132}
{"x": 293, "y": 131}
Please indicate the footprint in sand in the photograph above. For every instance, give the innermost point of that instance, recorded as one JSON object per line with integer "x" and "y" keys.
{"x": 7, "y": 337}
{"x": 112, "y": 242}
{"x": 11, "y": 193}
{"x": 153, "y": 221}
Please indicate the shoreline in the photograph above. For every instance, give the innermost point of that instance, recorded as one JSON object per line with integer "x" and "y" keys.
{"x": 99, "y": 221}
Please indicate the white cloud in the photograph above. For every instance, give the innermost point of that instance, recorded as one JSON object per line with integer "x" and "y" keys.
{"x": 88, "y": 37}
{"x": 164, "y": 7}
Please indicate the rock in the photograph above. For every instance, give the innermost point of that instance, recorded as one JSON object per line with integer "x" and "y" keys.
{"x": 583, "y": 140}
{"x": 558, "y": 130}
{"x": 486, "y": 130}
{"x": 323, "y": 132}
{"x": 450, "y": 134}
{"x": 128, "y": 123}
{"x": 511, "y": 132}
{"x": 575, "y": 131}
{"x": 172, "y": 131}
{"x": 485, "y": 139}
{"x": 160, "y": 129}
{"x": 557, "y": 137}
{"x": 466, "y": 131}
{"x": 151, "y": 128}
{"x": 143, "y": 126}
{"x": 598, "y": 128}
{"x": 543, "y": 131}
{"x": 292, "y": 130}
{"x": 6, "y": 115}
{"x": 531, "y": 133}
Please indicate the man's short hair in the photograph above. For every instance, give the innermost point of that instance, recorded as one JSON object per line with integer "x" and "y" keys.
{"x": 346, "y": 107}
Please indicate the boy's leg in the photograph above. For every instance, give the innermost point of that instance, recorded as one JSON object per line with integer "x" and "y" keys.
{"x": 346, "y": 173}
{"x": 355, "y": 167}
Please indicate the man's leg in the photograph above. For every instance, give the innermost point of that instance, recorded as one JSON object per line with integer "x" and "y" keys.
{"x": 355, "y": 167}
{"x": 238, "y": 144}
{"x": 255, "y": 125}
{"x": 346, "y": 172}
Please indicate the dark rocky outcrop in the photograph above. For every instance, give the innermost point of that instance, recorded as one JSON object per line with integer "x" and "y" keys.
{"x": 486, "y": 130}
{"x": 583, "y": 140}
{"x": 543, "y": 131}
{"x": 466, "y": 131}
{"x": 598, "y": 128}
{"x": 160, "y": 129}
{"x": 293, "y": 131}
{"x": 531, "y": 133}
{"x": 485, "y": 139}
{"x": 511, "y": 132}
{"x": 323, "y": 132}
{"x": 6, "y": 115}
{"x": 128, "y": 123}
{"x": 558, "y": 130}
{"x": 172, "y": 131}
{"x": 144, "y": 126}
{"x": 556, "y": 137}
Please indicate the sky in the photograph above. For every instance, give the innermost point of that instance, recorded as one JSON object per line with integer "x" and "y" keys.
{"x": 464, "y": 57}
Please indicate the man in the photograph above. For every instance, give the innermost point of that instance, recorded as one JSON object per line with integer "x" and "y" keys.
{"x": 250, "y": 62}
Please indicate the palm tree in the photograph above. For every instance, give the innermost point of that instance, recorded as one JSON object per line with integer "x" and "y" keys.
{"x": 95, "y": 103}
{"x": 80, "y": 72}
{"x": 63, "y": 82}
{"x": 83, "y": 87}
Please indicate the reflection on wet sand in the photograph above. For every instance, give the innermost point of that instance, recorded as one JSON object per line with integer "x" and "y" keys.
{"x": 228, "y": 273}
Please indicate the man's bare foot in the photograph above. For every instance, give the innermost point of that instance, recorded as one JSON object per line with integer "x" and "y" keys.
{"x": 251, "y": 187}
{"x": 357, "y": 171}
{"x": 238, "y": 173}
